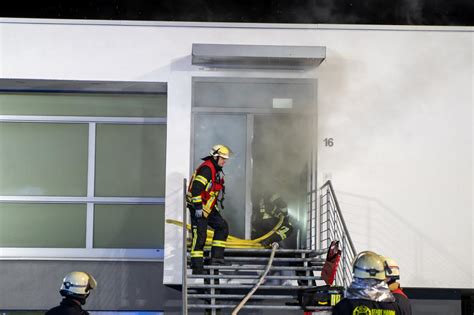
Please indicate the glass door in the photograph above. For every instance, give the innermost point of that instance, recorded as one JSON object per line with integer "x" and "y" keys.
{"x": 231, "y": 130}
{"x": 269, "y": 124}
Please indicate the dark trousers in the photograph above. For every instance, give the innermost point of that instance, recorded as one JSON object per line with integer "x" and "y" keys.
{"x": 199, "y": 231}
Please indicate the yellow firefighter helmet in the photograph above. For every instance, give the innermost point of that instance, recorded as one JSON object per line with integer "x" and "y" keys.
{"x": 220, "y": 150}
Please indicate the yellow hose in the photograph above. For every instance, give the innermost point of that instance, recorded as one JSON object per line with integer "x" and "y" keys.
{"x": 233, "y": 241}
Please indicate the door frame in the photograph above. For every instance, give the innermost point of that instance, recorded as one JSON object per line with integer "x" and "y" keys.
{"x": 250, "y": 113}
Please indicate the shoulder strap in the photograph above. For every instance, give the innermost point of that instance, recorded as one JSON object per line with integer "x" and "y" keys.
{"x": 209, "y": 164}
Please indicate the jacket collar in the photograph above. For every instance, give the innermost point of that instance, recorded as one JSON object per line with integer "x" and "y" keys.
{"x": 369, "y": 289}
{"x": 71, "y": 302}
{"x": 214, "y": 162}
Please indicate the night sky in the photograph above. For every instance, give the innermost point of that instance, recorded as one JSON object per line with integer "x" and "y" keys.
{"x": 385, "y": 12}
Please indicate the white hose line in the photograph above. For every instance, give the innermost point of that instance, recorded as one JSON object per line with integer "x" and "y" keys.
{"x": 260, "y": 281}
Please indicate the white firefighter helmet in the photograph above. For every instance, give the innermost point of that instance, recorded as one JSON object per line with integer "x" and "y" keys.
{"x": 369, "y": 265}
{"x": 220, "y": 150}
{"x": 391, "y": 268}
{"x": 77, "y": 284}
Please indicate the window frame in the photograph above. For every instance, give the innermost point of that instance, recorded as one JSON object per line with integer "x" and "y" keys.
{"x": 87, "y": 253}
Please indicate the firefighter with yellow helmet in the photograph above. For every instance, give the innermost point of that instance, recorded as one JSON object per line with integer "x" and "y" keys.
{"x": 75, "y": 289}
{"x": 205, "y": 194}
{"x": 368, "y": 293}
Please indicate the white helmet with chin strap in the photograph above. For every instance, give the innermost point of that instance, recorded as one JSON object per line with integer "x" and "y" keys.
{"x": 368, "y": 265}
{"x": 392, "y": 271}
{"x": 77, "y": 285}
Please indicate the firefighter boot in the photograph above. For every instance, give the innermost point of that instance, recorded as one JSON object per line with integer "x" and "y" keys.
{"x": 197, "y": 265}
{"x": 217, "y": 257}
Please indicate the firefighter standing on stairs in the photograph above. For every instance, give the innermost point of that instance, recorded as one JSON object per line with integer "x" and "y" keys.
{"x": 205, "y": 186}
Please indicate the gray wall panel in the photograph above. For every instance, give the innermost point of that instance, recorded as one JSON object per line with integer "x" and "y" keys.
{"x": 436, "y": 307}
{"x": 34, "y": 285}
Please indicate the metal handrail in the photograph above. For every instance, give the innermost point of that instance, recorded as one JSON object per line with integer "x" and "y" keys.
{"x": 332, "y": 226}
{"x": 338, "y": 209}
{"x": 185, "y": 259}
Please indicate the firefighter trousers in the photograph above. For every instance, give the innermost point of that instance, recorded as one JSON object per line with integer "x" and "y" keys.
{"x": 264, "y": 226}
{"x": 199, "y": 231}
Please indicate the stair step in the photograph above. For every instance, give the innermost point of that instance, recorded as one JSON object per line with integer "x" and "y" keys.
{"x": 241, "y": 296}
{"x": 276, "y": 259}
{"x": 282, "y": 307}
{"x": 245, "y": 286}
{"x": 262, "y": 267}
{"x": 247, "y": 306}
{"x": 253, "y": 277}
{"x": 247, "y": 267}
{"x": 283, "y": 250}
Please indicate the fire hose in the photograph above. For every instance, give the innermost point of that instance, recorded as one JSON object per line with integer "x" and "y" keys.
{"x": 259, "y": 282}
{"x": 233, "y": 241}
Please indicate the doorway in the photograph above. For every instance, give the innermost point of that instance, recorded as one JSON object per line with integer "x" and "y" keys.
{"x": 269, "y": 124}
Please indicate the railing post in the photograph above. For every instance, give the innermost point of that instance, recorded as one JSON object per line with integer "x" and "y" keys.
{"x": 319, "y": 246}
{"x": 336, "y": 229}
{"x": 185, "y": 258}
{"x": 311, "y": 226}
{"x": 330, "y": 219}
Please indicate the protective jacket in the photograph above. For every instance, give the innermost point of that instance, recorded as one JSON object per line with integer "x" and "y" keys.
{"x": 204, "y": 187}
{"x": 67, "y": 307}
{"x": 365, "y": 307}
{"x": 203, "y": 192}
{"x": 401, "y": 299}
{"x": 367, "y": 297}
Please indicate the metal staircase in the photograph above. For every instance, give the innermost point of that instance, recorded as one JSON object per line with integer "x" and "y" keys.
{"x": 222, "y": 288}
{"x": 225, "y": 286}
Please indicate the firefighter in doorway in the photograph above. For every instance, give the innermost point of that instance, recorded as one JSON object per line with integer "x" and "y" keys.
{"x": 205, "y": 188}
{"x": 271, "y": 208}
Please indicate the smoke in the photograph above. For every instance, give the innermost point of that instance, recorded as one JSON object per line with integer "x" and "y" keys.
{"x": 403, "y": 12}
{"x": 280, "y": 152}
{"x": 413, "y": 11}
{"x": 281, "y": 149}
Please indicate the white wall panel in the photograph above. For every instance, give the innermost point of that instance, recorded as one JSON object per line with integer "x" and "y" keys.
{"x": 400, "y": 114}
{"x": 397, "y": 101}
